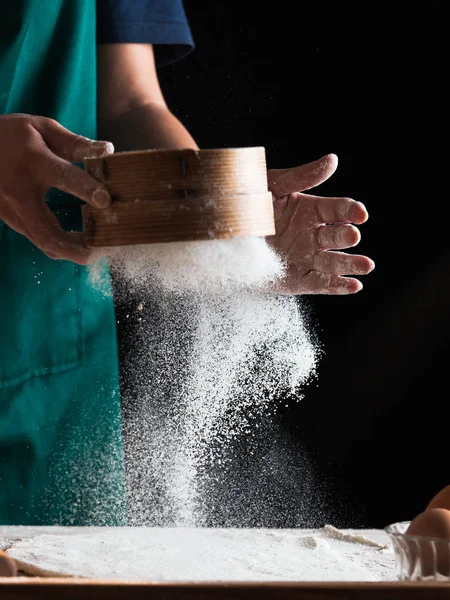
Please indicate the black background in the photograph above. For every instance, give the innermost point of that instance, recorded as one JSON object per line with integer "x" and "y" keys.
{"x": 366, "y": 82}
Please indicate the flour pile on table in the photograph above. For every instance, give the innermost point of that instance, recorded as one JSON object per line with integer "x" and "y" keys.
{"x": 224, "y": 352}
{"x": 148, "y": 554}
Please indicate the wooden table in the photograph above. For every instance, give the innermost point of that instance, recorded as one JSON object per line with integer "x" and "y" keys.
{"x": 69, "y": 589}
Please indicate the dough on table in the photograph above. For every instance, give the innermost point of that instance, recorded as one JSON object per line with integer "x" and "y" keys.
{"x": 177, "y": 554}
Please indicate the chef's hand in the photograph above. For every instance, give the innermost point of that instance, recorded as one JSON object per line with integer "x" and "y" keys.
{"x": 36, "y": 154}
{"x": 309, "y": 227}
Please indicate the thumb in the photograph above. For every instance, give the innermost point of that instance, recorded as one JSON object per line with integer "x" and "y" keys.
{"x": 287, "y": 181}
{"x": 68, "y": 145}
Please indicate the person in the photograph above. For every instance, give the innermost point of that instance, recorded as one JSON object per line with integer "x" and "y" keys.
{"x": 71, "y": 76}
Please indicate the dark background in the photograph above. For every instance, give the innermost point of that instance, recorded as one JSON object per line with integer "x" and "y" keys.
{"x": 303, "y": 80}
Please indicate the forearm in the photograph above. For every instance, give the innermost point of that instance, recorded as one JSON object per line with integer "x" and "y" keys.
{"x": 140, "y": 127}
{"x": 131, "y": 110}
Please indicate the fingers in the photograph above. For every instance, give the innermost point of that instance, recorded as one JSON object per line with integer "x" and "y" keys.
{"x": 341, "y": 263}
{"x": 316, "y": 282}
{"x": 287, "y": 181}
{"x": 67, "y": 145}
{"x": 14, "y": 221}
{"x": 337, "y": 237}
{"x": 322, "y": 283}
{"x": 61, "y": 174}
{"x": 45, "y": 231}
{"x": 339, "y": 210}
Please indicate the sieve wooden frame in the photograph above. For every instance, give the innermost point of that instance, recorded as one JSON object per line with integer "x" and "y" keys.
{"x": 180, "y": 195}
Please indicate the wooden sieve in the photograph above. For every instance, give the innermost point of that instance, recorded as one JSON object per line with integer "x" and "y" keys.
{"x": 180, "y": 195}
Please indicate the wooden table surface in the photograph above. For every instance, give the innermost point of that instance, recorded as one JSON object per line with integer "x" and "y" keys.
{"x": 70, "y": 589}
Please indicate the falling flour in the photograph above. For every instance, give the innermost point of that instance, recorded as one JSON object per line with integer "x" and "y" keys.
{"x": 215, "y": 353}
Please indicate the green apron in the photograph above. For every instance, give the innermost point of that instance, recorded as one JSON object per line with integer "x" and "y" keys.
{"x": 61, "y": 455}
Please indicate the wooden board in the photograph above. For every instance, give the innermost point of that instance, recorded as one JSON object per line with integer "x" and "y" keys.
{"x": 47, "y": 589}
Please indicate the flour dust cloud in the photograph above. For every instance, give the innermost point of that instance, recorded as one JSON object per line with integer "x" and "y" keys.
{"x": 214, "y": 353}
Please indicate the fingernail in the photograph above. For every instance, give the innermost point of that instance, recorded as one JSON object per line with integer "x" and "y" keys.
{"x": 108, "y": 147}
{"x": 354, "y": 210}
{"x": 98, "y": 149}
{"x": 101, "y": 198}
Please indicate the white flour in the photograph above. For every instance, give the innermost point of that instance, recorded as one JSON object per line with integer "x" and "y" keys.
{"x": 147, "y": 554}
{"x": 216, "y": 266}
{"x": 223, "y": 354}
{"x": 353, "y": 538}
